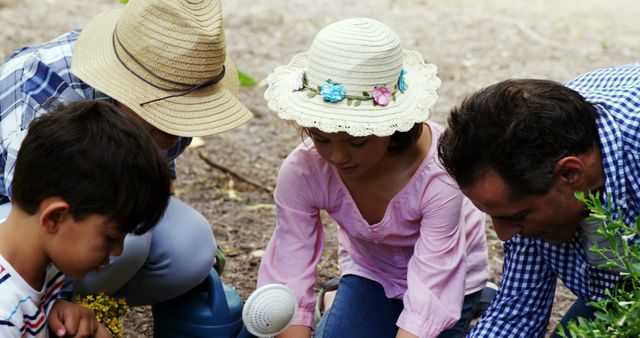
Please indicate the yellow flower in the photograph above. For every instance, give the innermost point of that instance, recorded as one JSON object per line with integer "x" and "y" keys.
{"x": 108, "y": 311}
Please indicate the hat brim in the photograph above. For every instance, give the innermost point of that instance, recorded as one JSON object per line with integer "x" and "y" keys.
{"x": 410, "y": 107}
{"x": 205, "y": 111}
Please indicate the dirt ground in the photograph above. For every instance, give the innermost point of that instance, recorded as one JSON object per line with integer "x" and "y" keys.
{"x": 473, "y": 43}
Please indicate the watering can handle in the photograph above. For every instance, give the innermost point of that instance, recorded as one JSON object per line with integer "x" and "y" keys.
{"x": 217, "y": 299}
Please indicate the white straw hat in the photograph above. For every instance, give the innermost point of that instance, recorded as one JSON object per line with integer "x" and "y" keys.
{"x": 356, "y": 78}
{"x": 165, "y": 60}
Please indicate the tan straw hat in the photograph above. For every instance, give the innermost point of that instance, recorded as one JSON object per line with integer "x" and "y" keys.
{"x": 356, "y": 78}
{"x": 164, "y": 59}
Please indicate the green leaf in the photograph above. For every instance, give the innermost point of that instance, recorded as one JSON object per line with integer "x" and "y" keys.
{"x": 356, "y": 103}
{"x": 124, "y": 1}
{"x": 349, "y": 101}
{"x": 311, "y": 94}
{"x": 365, "y": 94}
{"x": 246, "y": 80}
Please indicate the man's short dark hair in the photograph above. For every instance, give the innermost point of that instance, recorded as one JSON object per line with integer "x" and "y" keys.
{"x": 519, "y": 129}
{"x": 96, "y": 158}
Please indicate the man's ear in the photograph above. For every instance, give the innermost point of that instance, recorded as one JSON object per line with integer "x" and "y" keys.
{"x": 571, "y": 171}
{"x": 53, "y": 211}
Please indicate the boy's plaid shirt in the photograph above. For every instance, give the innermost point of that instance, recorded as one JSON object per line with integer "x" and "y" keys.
{"x": 531, "y": 266}
{"x": 31, "y": 80}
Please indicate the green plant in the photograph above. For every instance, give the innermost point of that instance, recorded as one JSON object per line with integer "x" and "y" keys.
{"x": 618, "y": 315}
{"x": 245, "y": 79}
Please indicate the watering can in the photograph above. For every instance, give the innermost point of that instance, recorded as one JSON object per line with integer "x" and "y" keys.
{"x": 215, "y": 310}
{"x": 212, "y": 309}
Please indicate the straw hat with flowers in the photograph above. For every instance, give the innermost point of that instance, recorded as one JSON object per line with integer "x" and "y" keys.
{"x": 355, "y": 78}
{"x": 166, "y": 60}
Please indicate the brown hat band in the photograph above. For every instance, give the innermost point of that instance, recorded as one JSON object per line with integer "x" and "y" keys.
{"x": 185, "y": 88}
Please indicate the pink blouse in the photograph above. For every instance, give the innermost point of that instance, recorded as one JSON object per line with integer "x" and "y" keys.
{"x": 429, "y": 249}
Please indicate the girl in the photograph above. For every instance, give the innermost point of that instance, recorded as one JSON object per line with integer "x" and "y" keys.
{"x": 412, "y": 250}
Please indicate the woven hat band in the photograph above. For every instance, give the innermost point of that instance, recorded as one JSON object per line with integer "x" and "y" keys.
{"x": 359, "y": 54}
{"x": 182, "y": 41}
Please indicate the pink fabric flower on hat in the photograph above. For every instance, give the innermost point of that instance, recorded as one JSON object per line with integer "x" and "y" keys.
{"x": 381, "y": 96}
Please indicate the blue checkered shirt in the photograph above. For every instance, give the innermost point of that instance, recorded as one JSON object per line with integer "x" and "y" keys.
{"x": 31, "y": 80}
{"x": 523, "y": 304}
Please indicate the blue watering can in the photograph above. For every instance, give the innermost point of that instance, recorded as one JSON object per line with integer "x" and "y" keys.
{"x": 215, "y": 310}
{"x": 212, "y": 309}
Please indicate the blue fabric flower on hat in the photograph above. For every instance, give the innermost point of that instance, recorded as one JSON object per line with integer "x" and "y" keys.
{"x": 332, "y": 92}
{"x": 402, "y": 86}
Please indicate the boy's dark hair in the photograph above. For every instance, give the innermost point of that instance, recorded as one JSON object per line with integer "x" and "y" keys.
{"x": 519, "y": 129}
{"x": 99, "y": 160}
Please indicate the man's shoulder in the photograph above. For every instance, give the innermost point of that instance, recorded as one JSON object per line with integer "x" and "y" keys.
{"x": 614, "y": 89}
{"x": 609, "y": 78}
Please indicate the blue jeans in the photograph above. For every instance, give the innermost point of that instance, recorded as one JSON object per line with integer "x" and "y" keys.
{"x": 580, "y": 308}
{"x": 361, "y": 309}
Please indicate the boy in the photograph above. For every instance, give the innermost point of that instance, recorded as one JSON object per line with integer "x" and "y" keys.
{"x": 86, "y": 175}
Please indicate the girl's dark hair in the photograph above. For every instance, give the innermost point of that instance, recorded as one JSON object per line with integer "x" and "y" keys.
{"x": 402, "y": 140}
{"x": 96, "y": 158}
{"x": 399, "y": 142}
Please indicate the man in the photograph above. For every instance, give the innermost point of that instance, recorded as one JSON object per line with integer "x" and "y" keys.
{"x": 162, "y": 61}
{"x": 519, "y": 150}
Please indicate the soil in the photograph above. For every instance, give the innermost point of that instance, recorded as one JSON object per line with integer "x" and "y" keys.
{"x": 473, "y": 44}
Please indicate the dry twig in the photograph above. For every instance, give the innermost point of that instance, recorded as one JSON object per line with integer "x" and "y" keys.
{"x": 222, "y": 168}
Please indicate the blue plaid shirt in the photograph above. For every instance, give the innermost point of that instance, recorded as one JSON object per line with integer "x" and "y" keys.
{"x": 523, "y": 304}
{"x": 30, "y": 81}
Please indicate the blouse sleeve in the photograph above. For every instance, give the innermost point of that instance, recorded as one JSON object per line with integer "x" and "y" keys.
{"x": 437, "y": 271}
{"x": 297, "y": 243}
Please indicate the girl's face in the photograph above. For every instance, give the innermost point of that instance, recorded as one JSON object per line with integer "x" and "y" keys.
{"x": 352, "y": 156}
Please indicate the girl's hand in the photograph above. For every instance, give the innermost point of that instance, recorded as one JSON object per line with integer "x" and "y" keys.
{"x": 296, "y": 331}
{"x": 71, "y": 320}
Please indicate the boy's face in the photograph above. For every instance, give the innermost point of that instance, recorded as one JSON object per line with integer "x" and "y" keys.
{"x": 83, "y": 246}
